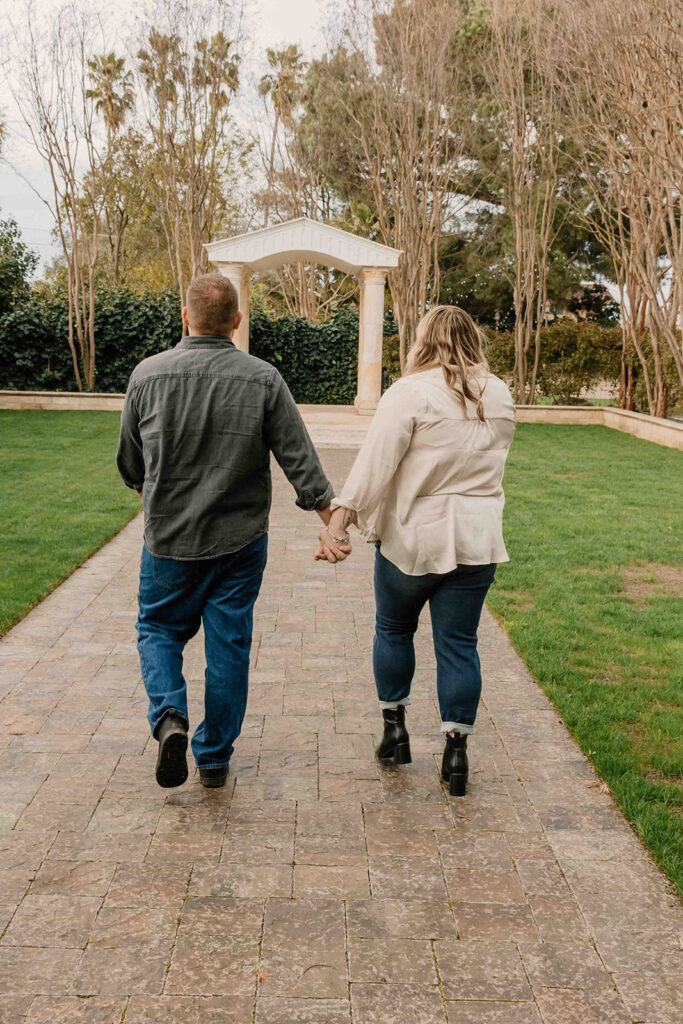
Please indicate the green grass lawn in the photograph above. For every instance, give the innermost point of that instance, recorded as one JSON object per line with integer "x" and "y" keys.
{"x": 593, "y": 601}
{"x": 61, "y": 498}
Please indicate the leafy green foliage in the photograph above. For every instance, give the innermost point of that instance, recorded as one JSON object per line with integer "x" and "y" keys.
{"x": 318, "y": 361}
{"x": 574, "y": 356}
{"x": 17, "y": 264}
{"x": 34, "y": 353}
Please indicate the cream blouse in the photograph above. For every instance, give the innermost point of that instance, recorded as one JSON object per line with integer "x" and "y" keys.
{"x": 427, "y": 482}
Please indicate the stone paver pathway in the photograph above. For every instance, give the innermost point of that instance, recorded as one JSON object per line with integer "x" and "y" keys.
{"x": 318, "y": 888}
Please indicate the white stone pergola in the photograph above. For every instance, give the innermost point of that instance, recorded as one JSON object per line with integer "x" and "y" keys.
{"x": 307, "y": 241}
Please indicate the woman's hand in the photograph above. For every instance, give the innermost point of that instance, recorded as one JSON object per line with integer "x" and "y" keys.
{"x": 331, "y": 550}
{"x": 334, "y": 543}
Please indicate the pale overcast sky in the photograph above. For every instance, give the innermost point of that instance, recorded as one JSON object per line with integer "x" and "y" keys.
{"x": 270, "y": 23}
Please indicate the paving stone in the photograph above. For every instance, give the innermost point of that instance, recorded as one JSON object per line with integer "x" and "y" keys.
{"x": 43, "y": 971}
{"x": 396, "y": 1004}
{"x": 409, "y": 919}
{"x": 318, "y": 820}
{"x": 257, "y": 812}
{"x": 175, "y": 847}
{"x": 407, "y": 878}
{"x": 651, "y": 996}
{"x": 505, "y": 921}
{"x": 48, "y": 814}
{"x": 273, "y": 1010}
{"x": 303, "y": 948}
{"x": 75, "y": 1010}
{"x": 194, "y": 817}
{"x": 559, "y": 920}
{"x": 392, "y": 961}
{"x": 13, "y": 1009}
{"x": 25, "y": 850}
{"x": 567, "y": 1006}
{"x": 494, "y": 1013}
{"x": 73, "y": 878}
{"x": 327, "y": 850}
{"x": 189, "y": 1010}
{"x": 400, "y": 842}
{"x": 61, "y": 921}
{"x": 481, "y": 970}
{"x": 148, "y": 885}
{"x": 408, "y": 816}
{"x": 235, "y": 879}
{"x": 118, "y": 927}
{"x": 551, "y": 966}
{"x": 126, "y": 815}
{"x": 130, "y": 969}
{"x": 222, "y": 968}
{"x": 342, "y": 881}
{"x": 480, "y": 885}
{"x": 542, "y": 877}
{"x": 98, "y": 846}
{"x": 258, "y": 844}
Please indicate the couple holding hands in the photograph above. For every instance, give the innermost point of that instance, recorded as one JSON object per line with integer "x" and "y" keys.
{"x": 198, "y": 425}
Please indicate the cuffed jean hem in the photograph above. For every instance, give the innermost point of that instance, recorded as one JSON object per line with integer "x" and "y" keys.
{"x": 403, "y": 702}
{"x": 175, "y": 711}
{"x": 461, "y": 727}
{"x": 225, "y": 764}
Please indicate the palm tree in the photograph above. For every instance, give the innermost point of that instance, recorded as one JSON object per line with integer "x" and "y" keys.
{"x": 282, "y": 85}
{"x": 112, "y": 90}
{"x": 113, "y": 93}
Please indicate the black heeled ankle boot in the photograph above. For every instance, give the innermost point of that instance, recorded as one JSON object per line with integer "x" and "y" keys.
{"x": 455, "y": 766}
{"x": 395, "y": 741}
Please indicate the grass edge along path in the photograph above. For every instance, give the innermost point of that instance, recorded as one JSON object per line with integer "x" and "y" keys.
{"x": 62, "y": 500}
{"x": 592, "y": 602}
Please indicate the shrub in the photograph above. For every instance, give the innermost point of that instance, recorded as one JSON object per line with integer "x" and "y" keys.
{"x": 574, "y": 357}
{"x": 318, "y": 361}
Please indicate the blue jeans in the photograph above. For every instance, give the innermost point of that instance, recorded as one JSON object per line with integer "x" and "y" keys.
{"x": 174, "y": 598}
{"x": 455, "y": 601}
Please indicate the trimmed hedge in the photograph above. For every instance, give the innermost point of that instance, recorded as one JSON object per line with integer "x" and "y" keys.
{"x": 34, "y": 351}
{"x": 318, "y": 361}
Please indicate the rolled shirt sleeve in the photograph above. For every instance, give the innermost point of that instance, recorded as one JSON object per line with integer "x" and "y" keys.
{"x": 129, "y": 457}
{"x": 385, "y": 444}
{"x": 290, "y": 443}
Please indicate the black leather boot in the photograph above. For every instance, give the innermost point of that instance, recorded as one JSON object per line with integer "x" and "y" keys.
{"x": 395, "y": 741}
{"x": 213, "y": 778}
{"x": 172, "y": 759}
{"x": 455, "y": 765}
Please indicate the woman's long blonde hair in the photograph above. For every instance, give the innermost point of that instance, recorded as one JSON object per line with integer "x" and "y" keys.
{"x": 447, "y": 336}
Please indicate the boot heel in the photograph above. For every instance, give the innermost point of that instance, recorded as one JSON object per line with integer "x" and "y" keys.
{"x": 402, "y": 753}
{"x": 457, "y": 785}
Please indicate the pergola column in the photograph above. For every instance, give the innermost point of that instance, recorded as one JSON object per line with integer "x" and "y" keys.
{"x": 370, "y": 332}
{"x": 239, "y": 274}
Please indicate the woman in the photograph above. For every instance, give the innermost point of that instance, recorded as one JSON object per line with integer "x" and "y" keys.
{"x": 426, "y": 488}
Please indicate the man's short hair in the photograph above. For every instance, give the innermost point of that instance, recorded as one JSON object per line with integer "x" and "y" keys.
{"x": 212, "y": 303}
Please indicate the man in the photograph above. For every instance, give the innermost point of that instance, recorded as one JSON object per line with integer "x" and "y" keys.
{"x": 198, "y": 425}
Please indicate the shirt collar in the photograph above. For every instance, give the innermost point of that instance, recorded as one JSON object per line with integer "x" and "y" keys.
{"x": 206, "y": 341}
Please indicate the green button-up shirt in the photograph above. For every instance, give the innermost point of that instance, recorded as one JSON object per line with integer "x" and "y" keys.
{"x": 199, "y": 422}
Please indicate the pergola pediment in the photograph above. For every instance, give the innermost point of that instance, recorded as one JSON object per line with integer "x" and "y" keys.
{"x": 303, "y": 240}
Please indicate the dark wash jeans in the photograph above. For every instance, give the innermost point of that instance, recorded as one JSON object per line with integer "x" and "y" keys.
{"x": 175, "y": 597}
{"x": 455, "y": 602}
